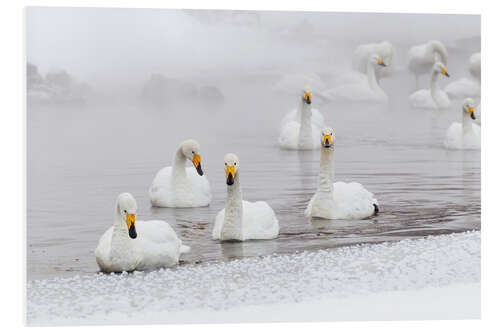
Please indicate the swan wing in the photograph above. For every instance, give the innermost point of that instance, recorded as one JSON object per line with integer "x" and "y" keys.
{"x": 259, "y": 221}
{"x": 289, "y": 135}
{"x": 463, "y": 88}
{"x": 219, "y": 222}
{"x": 159, "y": 191}
{"x": 352, "y": 201}
{"x": 422, "y": 99}
{"x": 103, "y": 249}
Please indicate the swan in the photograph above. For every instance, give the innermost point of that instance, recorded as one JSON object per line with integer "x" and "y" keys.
{"x": 466, "y": 135}
{"x": 422, "y": 57}
{"x": 435, "y": 98}
{"x": 365, "y": 90}
{"x": 362, "y": 56}
{"x": 338, "y": 200}
{"x": 466, "y": 87}
{"x": 137, "y": 245}
{"x": 179, "y": 186}
{"x": 242, "y": 220}
{"x": 301, "y": 125}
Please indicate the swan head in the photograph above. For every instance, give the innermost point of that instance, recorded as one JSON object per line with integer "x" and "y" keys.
{"x": 439, "y": 68}
{"x": 375, "y": 59}
{"x": 127, "y": 208}
{"x": 192, "y": 151}
{"x": 468, "y": 107}
{"x": 231, "y": 165}
{"x": 306, "y": 95}
{"x": 327, "y": 138}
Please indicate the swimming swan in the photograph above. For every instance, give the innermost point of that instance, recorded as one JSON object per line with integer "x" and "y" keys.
{"x": 435, "y": 98}
{"x": 242, "y": 220}
{"x": 365, "y": 90}
{"x": 422, "y": 57}
{"x": 179, "y": 186}
{"x": 466, "y": 135}
{"x": 338, "y": 200}
{"x": 362, "y": 55}
{"x": 137, "y": 245}
{"x": 466, "y": 87}
{"x": 298, "y": 132}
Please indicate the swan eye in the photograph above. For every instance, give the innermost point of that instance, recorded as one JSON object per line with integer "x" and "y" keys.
{"x": 193, "y": 152}
{"x": 234, "y": 163}
{"x": 225, "y": 163}
{"x": 125, "y": 211}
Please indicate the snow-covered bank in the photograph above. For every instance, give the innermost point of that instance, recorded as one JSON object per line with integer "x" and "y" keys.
{"x": 381, "y": 281}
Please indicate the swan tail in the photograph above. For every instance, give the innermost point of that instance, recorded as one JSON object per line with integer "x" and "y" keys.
{"x": 185, "y": 249}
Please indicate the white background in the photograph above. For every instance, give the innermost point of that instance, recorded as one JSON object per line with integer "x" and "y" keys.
{"x": 13, "y": 154}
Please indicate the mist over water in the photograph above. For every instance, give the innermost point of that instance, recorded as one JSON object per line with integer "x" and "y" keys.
{"x": 157, "y": 77}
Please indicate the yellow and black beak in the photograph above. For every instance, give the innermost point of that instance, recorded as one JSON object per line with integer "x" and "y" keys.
{"x": 131, "y": 225}
{"x": 327, "y": 140}
{"x": 444, "y": 72}
{"x": 307, "y": 97}
{"x": 197, "y": 164}
{"x": 471, "y": 113}
{"x": 381, "y": 63}
{"x": 230, "y": 174}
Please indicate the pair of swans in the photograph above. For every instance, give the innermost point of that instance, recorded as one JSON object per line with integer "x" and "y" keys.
{"x": 465, "y": 135}
{"x": 435, "y": 97}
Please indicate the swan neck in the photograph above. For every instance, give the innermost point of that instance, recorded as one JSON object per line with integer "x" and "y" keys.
{"x": 466, "y": 122}
{"x": 233, "y": 218}
{"x": 326, "y": 170}
{"x": 434, "y": 84}
{"x": 179, "y": 165}
{"x": 120, "y": 232}
{"x": 372, "y": 79}
{"x": 305, "y": 131}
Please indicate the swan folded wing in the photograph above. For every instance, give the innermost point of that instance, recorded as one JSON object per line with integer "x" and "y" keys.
{"x": 103, "y": 249}
{"x": 289, "y": 135}
{"x": 294, "y": 116}
{"x": 219, "y": 222}
{"x": 259, "y": 221}
{"x": 422, "y": 99}
{"x": 453, "y": 139}
{"x": 202, "y": 196}
{"x": 463, "y": 88}
{"x": 352, "y": 201}
{"x": 159, "y": 192}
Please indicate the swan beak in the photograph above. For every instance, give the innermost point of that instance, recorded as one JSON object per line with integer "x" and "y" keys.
{"x": 307, "y": 98}
{"x": 381, "y": 63}
{"x": 131, "y": 225}
{"x": 197, "y": 164}
{"x": 230, "y": 175}
{"x": 327, "y": 140}
{"x": 444, "y": 72}
{"x": 471, "y": 113}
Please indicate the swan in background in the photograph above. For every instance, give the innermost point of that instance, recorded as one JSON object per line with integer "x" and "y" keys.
{"x": 179, "y": 186}
{"x": 362, "y": 55}
{"x": 137, "y": 245}
{"x": 300, "y": 126}
{"x": 422, "y": 57}
{"x": 364, "y": 89}
{"x": 338, "y": 200}
{"x": 466, "y": 135}
{"x": 466, "y": 87}
{"x": 242, "y": 220}
{"x": 435, "y": 98}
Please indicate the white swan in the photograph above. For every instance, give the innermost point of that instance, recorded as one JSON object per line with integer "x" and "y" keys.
{"x": 300, "y": 126}
{"x": 466, "y": 87}
{"x": 338, "y": 200}
{"x": 137, "y": 245}
{"x": 435, "y": 98}
{"x": 242, "y": 220}
{"x": 362, "y": 55}
{"x": 422, "y": 57}
{"x": 466, "y": 135}
{"x": 179, "y": 186}
{"x": 364, "y": 89}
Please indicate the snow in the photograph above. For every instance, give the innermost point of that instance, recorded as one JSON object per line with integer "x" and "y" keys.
{"x": 426, "y": 278}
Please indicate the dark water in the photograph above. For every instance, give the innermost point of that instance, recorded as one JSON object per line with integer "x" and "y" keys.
{"x": 81, "y": 158}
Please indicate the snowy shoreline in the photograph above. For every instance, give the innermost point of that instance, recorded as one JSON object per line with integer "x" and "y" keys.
{"x": 427, "y": 278}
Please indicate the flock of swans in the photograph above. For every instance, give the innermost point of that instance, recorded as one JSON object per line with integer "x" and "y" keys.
{"x": 141, "y": 245}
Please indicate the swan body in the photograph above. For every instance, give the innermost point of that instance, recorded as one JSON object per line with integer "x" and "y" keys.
{"x": 298, "y": 129}
{"x": 364, "y": 88}
{"x": 137, "y": 245}
{"x": 422, "y": 57}
{"x": 463, "y": 88}
{"x": 181, "y": 186}
{"x": 433, "y": 98}
{"x": 362, "y": 55}
{"x": 242, "y": 220}
{"x": 465, "y": 135}
{"x": 338, "y": 200}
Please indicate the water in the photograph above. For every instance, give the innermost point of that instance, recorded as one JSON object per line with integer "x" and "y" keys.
{"x": 81, "y": 158}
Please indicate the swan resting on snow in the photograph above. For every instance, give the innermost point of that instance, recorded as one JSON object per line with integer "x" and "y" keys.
{"x": 338, "y": 200}
{"x": 179, "y": 186}
{"x": 364, "y": 88}
{"x": 300, "y": 126}
{"x": 466, "y": 87}
{"x": 422, "y": 57}
{"x": 465, "y": 135}
{"x": 362, "y": 55}
{"x": 242, "y": 220}
{"x": 435, "y": 98}
{"x": 137, "y": 245}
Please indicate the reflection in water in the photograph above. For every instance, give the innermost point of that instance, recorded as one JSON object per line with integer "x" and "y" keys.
{"x": 251, "y": 248}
